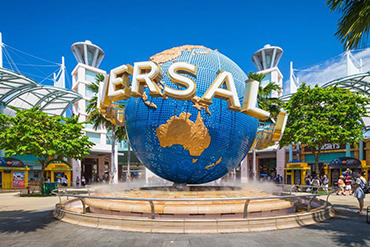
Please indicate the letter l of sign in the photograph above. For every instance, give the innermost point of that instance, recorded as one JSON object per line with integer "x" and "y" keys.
{"x": 250, "y": 101}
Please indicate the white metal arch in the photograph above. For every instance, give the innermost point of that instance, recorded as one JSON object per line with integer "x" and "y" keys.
{"x": 22, "y": 92}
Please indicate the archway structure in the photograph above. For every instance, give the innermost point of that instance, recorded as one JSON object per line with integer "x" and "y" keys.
{"x": 22, "y": 92}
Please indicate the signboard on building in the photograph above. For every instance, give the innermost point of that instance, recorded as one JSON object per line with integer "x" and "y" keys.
{"x": 11, "y": 162}
{"x": 18, "y": 179}
{"x": 327, "y": 147}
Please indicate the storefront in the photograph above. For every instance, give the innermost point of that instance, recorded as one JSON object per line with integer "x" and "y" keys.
{"x": 58, "y": 169}
{"x": 267, "y": 166}
{"x": 13, "y": 174}
{"x": 338, "y": 166}
{"x": 295, "y": 172}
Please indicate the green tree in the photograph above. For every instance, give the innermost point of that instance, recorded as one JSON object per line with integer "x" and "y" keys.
{"x": 265, "y": 101}
{"x": 98, "y": 119}
{"x": 44, "y": 136}
{"x": 354, "y": 25}
{"x": 324, "y": 115}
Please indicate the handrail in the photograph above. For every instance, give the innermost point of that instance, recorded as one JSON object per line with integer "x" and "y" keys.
{"x": 152, "y": 207}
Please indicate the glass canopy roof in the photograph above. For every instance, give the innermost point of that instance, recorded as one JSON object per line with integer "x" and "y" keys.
{"x": 22, "y": 92}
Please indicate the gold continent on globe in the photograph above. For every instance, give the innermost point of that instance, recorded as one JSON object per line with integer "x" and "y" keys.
{"x": 192, "y": 136}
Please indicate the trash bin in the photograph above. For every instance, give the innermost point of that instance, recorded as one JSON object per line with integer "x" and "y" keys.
{"x": 48, "y": 187}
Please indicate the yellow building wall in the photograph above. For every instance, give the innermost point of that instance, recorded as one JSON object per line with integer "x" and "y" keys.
{"x": 8, "y": 182}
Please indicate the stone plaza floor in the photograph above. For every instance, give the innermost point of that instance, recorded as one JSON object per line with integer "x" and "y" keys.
{"x": 26, "y": 221}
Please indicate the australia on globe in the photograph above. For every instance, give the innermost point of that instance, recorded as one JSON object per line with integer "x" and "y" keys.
{"x": 190, "y": 140}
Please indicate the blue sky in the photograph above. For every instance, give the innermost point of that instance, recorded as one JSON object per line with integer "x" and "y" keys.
{"x": 131, "y": 31}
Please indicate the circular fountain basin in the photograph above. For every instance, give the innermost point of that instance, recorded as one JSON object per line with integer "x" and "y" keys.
{"x": 186, "y": 216}
{"x": 190, "y": 209}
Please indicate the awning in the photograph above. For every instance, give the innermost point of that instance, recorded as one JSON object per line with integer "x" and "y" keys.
{"x": 297, "y": 168}
{"x": 344, "y": 162}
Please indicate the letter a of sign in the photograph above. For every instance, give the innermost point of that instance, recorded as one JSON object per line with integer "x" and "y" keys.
{"x": 228, "y": 94}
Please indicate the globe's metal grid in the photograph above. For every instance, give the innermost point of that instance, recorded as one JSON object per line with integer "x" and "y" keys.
{"x": 232, "y": 133}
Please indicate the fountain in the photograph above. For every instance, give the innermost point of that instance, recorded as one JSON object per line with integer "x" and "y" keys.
{"x": 186, "y": 124}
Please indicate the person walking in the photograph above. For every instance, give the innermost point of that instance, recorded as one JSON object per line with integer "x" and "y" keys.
{"x": 359, "y": 187}
{"x": 315, "y": 184}
{"x": 83, "y": 181}
{"x": 341, "y": 185}
{"x": 64, "y": 181}
{"x": 325, "y": 183}
{"x": 308, "y": 183}
{"x": 348, "y": 181}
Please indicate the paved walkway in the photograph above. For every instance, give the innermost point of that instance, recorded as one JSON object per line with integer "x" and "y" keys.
{"x": 28, "y": 222}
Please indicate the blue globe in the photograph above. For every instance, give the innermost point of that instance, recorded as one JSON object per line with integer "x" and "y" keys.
{"x": 181, "y": 142}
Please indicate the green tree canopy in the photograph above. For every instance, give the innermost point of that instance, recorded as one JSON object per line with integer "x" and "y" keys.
{"x": 324, "y": 115}
{"x": 44, "y": 136}
{"x": 354, "y": 25}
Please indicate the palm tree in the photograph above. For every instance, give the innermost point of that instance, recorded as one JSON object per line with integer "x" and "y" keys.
{"x": 354, "y": 25}
{"x": 98, "y": 119}
{"x": 265, "y": 101}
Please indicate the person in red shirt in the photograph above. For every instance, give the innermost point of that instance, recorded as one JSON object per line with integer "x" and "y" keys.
{"x": 348, "y": 181}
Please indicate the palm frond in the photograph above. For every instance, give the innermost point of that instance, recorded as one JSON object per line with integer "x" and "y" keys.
{"x": 354, "y": 25}
{"x": 256, "y": 76}
{"x": 95, "y": 117}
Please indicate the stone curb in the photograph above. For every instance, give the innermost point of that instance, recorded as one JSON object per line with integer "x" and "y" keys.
{"x": 198, "y": 226}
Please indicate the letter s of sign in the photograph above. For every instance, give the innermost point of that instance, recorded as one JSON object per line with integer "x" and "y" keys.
{"x": 181, "y": 80}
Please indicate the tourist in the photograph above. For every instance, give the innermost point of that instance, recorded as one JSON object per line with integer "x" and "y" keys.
{"x": 341, "y": 185}
{"x": 325, "y": 183}
{"x": 78, "y": 181}
{"x": 347, "y": 182}
{"x": 315, "y": 184}
{"x": 307, "y": 181}
{"x": 64, "y": 181}
{"x": 83, "y": 181}
{"x": 348, "y": 171}
{"x": 281, "y": 179}
{"x": 297, "y": 187}
{"x": 359, "y": 190}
